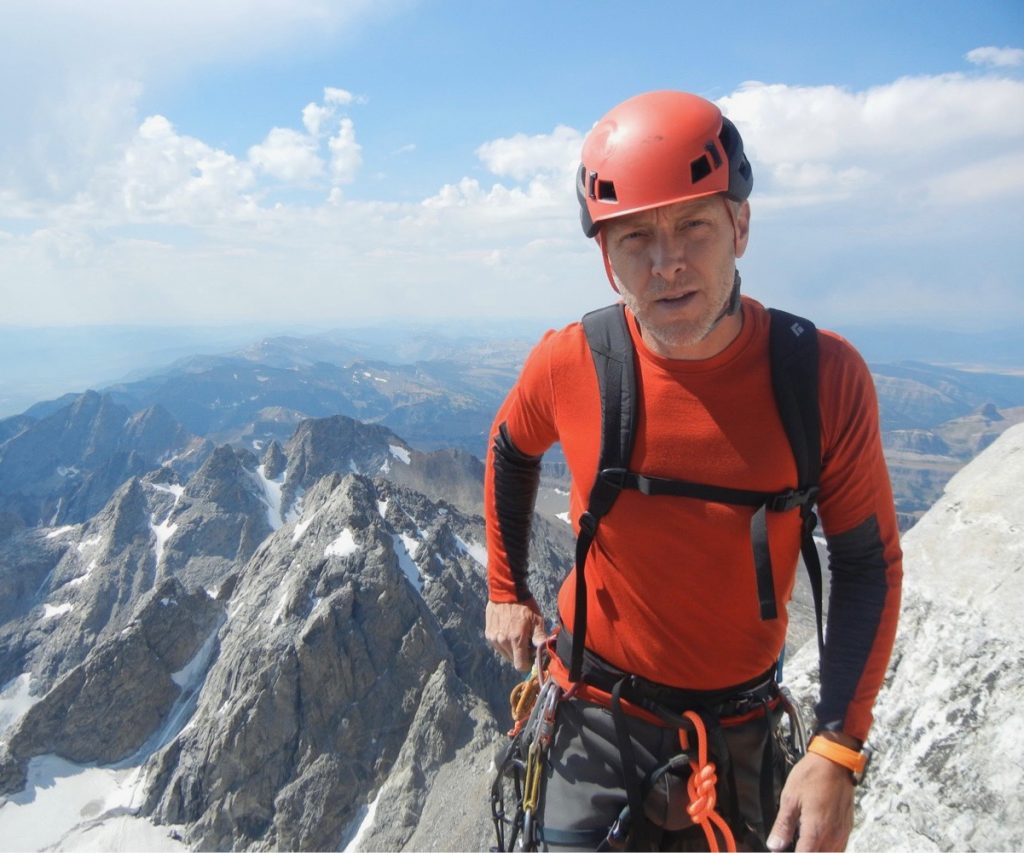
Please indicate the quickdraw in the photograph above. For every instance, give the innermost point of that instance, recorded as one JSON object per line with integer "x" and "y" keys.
{"x": 534, "y": 705}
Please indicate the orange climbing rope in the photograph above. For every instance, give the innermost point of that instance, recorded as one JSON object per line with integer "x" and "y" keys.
{"x": 702, "y": 789}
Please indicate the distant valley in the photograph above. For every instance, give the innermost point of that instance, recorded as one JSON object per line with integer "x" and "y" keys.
{"x": 441, "y": 391}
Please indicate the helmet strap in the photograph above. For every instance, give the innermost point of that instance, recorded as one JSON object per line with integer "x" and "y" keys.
{"x": 733, "y": 305}
{"x": 607, "y": 262}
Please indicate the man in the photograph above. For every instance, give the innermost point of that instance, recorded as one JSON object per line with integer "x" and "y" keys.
{"x": 671, "y": 596}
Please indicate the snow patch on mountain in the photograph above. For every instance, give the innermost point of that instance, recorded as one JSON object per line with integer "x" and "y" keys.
{"x": 190, "y": 675}
{"x": 15, "y": 699}
{"x": 74, "y": 807}
{"x": 344, "y": 545}
{"x": 405, "y": 549}
{"x": 89, "y": 543}
{"x": 170, "y": 489}
{"x": 301, "y": 527}
{"x": 162, "y": 532}
{"x": 60, "y": 531}
{"x": 362, "y": 826}
{"x": 474, "y": 550}
{"x": 272, "y": 495}
{"x": 51, "y": 611}
{"x": 83, "y": 578}
{"x": 400, "y": 453}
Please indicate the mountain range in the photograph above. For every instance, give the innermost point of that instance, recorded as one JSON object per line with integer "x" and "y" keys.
{"x": 230, "y": 619}
{"x": 259, "y": 643}
{"x": 442, "y": 391}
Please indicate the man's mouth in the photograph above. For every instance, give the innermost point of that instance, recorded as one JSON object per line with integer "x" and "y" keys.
{"x": 677, "y": 299}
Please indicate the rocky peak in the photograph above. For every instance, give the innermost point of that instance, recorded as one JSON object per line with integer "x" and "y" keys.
{"x": 990, "y": 412}
{"x": 274, "y": 461}
{"x": 337, "y": 627}
{"x": 126, "y": 517}
{"x": 155, "y": 433}
{"x": 216, "y": 522}
{"x": 223, "y": 481}
{"x": 948, "y": 723}
{"x": 323, "y": 445}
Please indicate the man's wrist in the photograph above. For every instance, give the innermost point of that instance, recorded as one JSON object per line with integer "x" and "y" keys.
{"x": 833, "y": 730}
{"x": 847, "y": 753}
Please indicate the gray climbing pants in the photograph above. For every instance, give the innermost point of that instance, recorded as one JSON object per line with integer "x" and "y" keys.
{"x": 584, "y": 791}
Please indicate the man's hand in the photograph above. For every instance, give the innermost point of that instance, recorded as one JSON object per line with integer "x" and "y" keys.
{"x": 817, "y": 804}
{"x": 514, "y": 630}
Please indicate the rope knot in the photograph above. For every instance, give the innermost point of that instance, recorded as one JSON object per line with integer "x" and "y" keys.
{"x": 703, "y": 794}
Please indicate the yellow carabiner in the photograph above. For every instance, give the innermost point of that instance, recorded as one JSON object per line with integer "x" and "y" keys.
{"x": 531, "y": 785}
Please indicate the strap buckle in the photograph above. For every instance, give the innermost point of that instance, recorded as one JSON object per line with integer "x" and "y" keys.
{"x": 609, "y": 482}
{"x": 614, "y": 477}
{"x": 785, "y": 501}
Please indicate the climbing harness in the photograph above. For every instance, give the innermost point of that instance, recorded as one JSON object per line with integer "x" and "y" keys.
{"x": 705, "y": 762}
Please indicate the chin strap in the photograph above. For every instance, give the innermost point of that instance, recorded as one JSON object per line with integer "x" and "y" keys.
{"x": 733, "y": 305}
{"x": 607, "y": 262}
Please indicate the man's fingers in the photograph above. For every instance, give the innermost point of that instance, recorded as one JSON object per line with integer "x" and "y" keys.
{"x": 514, "y": 630}
{"x": 784, "y": 828}
{"x": 522, "y": 655}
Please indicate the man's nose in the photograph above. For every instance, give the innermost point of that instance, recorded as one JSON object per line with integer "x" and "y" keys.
{"x": 668, "y": 256}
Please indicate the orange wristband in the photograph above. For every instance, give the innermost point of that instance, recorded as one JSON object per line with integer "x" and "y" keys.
{"x": 853, "y": 760}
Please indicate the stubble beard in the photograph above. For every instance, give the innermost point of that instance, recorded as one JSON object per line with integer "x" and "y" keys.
{"x": 682, "y": 333}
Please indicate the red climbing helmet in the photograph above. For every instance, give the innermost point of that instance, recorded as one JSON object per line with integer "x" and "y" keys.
{"x": 655, "y": 149}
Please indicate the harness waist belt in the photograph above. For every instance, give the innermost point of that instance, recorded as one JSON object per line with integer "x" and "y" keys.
{"x": 727, "y": 701}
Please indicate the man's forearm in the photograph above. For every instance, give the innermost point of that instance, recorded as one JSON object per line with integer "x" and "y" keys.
{"x": 513, "y": 480}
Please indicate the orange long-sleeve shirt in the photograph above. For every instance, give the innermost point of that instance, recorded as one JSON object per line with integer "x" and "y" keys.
{"x": 671, "y": 584}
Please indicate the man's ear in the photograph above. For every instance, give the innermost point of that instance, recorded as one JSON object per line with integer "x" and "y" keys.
{"x": 741, "y": 228}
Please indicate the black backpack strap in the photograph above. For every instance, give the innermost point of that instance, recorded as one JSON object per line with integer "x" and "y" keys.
{"x": 794, "y": 360}
{"x": 612, "y": 349}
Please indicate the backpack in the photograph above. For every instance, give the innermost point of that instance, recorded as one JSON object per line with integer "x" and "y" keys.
{"x": 793, "y": 346}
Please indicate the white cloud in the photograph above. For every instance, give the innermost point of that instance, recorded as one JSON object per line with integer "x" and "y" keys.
{"x": 1000, "y": 57}
{"x": 169, "y": 177}
{"x": 346, "y": 153}
{"x": 288, "y": 156}
{"x": 982, "y": 180}
{"x": 852, "y": 190}
{"x": 521, "y": 157}
{"x": 72, "y": 73}
{"x": 314, "y": 117}
{"x": 812, "y": 144}
{"x": 341, "y": 97}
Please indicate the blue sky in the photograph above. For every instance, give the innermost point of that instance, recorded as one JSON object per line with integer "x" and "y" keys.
{"x": 321, "y": 162}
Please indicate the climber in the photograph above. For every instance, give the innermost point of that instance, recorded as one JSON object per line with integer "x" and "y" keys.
{"x": 696, "y": 472}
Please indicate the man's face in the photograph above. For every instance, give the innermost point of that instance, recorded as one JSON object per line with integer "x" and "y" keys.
{"x": 674, "y": 266}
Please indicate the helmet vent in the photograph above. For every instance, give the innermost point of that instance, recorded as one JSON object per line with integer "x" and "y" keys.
{"x": 700, "y": 168}
{"x": 606, "y": 191}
